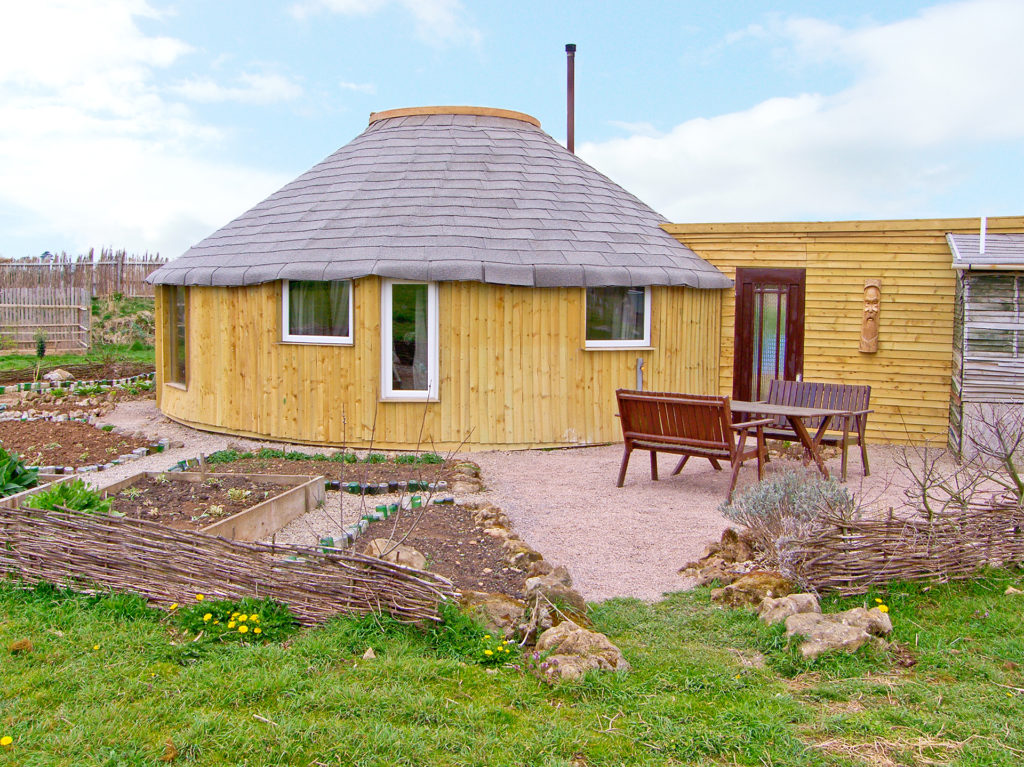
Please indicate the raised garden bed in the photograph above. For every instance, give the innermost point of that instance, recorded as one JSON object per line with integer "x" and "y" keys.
{"x": 341, "y": 467}
{"x": 65, "y": 443}
{"x": 236, "y": 506}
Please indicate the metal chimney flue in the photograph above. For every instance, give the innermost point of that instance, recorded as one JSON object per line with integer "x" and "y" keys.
{"x": 570, "y": 97}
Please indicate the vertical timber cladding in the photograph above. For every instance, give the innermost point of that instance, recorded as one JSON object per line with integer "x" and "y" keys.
{"x": 513, "y": 371}
{"x": 910, "y": 376}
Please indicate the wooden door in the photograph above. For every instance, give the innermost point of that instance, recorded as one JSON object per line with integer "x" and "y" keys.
{"x": 769, "y": 340}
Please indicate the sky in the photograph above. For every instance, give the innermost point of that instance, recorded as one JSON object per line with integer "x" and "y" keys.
{"x": 147, "y": 125}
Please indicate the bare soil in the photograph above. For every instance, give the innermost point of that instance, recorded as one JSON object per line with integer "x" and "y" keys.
{"x": 65, "y": 443}
{"x": 345, "y": 472}
{"x": 454, "y": 547}
{"x": 190, "y": 505}
{"x": 97, "y": 371}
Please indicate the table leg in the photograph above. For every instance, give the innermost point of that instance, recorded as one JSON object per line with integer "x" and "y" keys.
{"x": 811, "y": 444}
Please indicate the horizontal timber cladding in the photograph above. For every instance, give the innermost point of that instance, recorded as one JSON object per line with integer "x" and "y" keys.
{"x": 513, "y": 371}
{"x": 910, "y": 374}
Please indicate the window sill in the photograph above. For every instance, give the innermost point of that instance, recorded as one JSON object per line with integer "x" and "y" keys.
{"x": 315, "y": 342}
{"x": 412, "y": 400}
{"x": 176, "y": 385}
{"x": 618, "y": 348}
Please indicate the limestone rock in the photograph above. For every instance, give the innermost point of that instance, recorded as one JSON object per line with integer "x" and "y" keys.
{"x": 735, "y": 547}
{"x": 846, "y": 631}
{"x": 556, "y": 588}
{"x": 772, "y": 611}
{"x": 518, "y": 554}
{"x": 501, "y": 614}
{"x": 60, "y": 375}
{"x": 575, "y": 651}
{"x": 468, "y": 468}
{"x": 1010, "y": 591}
{"x": 822, "y": 635}
{"x": 369, "y": 654}
{"x": 399, "y": 555}
{"x": 466, "y": 486}
{"x": 540, "y": 567}
{"x": 753, "y": 587}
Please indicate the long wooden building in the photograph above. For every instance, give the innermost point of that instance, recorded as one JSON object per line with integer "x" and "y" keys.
{"x": 453, "y": 275}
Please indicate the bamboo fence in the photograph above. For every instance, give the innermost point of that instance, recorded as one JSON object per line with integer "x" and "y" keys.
{"x": 93, "y": 553}
{"x": 849, "y": 556}
{"x": 61, "y": 313}
{"x": 114, "y": 272}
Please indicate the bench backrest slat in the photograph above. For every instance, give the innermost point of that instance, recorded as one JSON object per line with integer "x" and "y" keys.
{"x": 834, "y": 396}
{"x": 688, "y": 420}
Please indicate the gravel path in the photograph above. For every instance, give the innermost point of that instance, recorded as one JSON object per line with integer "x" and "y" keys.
{"x": 616, "y": 542}
{"x": 631, "y": 541}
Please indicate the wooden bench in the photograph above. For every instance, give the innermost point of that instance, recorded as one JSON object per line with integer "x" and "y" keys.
{"x": 690, "y": 425}
{"x": 844, "y": 430}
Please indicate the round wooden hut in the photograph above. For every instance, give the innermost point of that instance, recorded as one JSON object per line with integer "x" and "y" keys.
{"x": 453, "y": 275}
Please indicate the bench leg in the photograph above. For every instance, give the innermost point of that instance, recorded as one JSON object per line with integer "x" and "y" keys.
{"x": 622, "y": 469}
{"x": 846, "y": 441}
{"x": 735, "y": 473}
{"x": 864, "y": 457}
{"x": 654, "y": 465}
{"x": 680, "y": 465}
{"x": 716, "y": 464}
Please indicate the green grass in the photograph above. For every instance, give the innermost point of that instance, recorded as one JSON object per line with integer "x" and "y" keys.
{"x": 693, "y": 696}
{"x": 111, "y": 353}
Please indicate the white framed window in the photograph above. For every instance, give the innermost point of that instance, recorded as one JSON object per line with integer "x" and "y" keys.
{"x": 408, "y": 329}
{"x": 618, "y": 318}
{"x": 316, "y": 312}
{"x": 177, "y": 370}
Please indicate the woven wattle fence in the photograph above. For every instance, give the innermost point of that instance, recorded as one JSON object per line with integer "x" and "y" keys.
{"x": 92, "y": 553}
{"x": 850, "y": 556}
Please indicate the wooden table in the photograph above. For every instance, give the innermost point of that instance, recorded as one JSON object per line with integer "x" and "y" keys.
{"x": 795, "y": 416}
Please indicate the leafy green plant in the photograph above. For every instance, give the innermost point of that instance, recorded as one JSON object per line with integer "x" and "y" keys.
{"x": 40, "y": 339}
{"x": 269, "y": 453}
{"x": 405, "y": 459}
{"x": 344, "y": 457}
{"x": 107, "y": 427}
{"x": 244, "y": 621}
{"x": 238, "y": 493}
{"x": 375, "y": 458}
{"x": 74, "y": 495}
{"x": 462, "y": 637}
{"x": 429, "y": 458}
{"x": 15, "y": 477}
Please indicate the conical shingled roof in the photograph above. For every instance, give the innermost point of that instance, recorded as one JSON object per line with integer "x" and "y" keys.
{"x": 448, "y": 193}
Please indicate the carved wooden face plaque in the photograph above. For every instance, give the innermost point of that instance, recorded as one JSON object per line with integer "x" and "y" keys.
{"x": 869, "y": 321}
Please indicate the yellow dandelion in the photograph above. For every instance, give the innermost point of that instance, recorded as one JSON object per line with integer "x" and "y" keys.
{"x": 255, "y": 617}
{"x": 488, "y": 652}
{"x": 6, "y": 740}
{"x": 234, "y": 615}
{"x": 242, "y": 629}
{"x": 231, "y": 624}
{"x": 879, "y": 601}
{"x": 216, "y": 623}
{"x": 174, "y": 606}
{"x": 95, "y": 647}
{"x": 243, "y": 618}
{"x": 883, "y": 608}
{"x": 200, "y": 597}
{"x": 207, "y": 617}
{"x": 257, "y": 630}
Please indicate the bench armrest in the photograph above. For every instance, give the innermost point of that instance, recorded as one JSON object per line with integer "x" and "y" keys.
{"x": 750, "y": 424}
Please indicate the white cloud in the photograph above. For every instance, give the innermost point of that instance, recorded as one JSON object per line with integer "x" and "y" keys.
{"x": 250, "y": 89}
{"x": 438, "y": 22}
{"x": 93, "y": 151}
{"x": 924, "y": 89}
{"x": 367, "y": 88}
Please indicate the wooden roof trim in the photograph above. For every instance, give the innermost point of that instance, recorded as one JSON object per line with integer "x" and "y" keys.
{"x": 964, "y": 225}
{"x": 454, "y": 110}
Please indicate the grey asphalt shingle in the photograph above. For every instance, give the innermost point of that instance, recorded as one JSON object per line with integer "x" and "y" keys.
{"x": 448, "y": 197}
